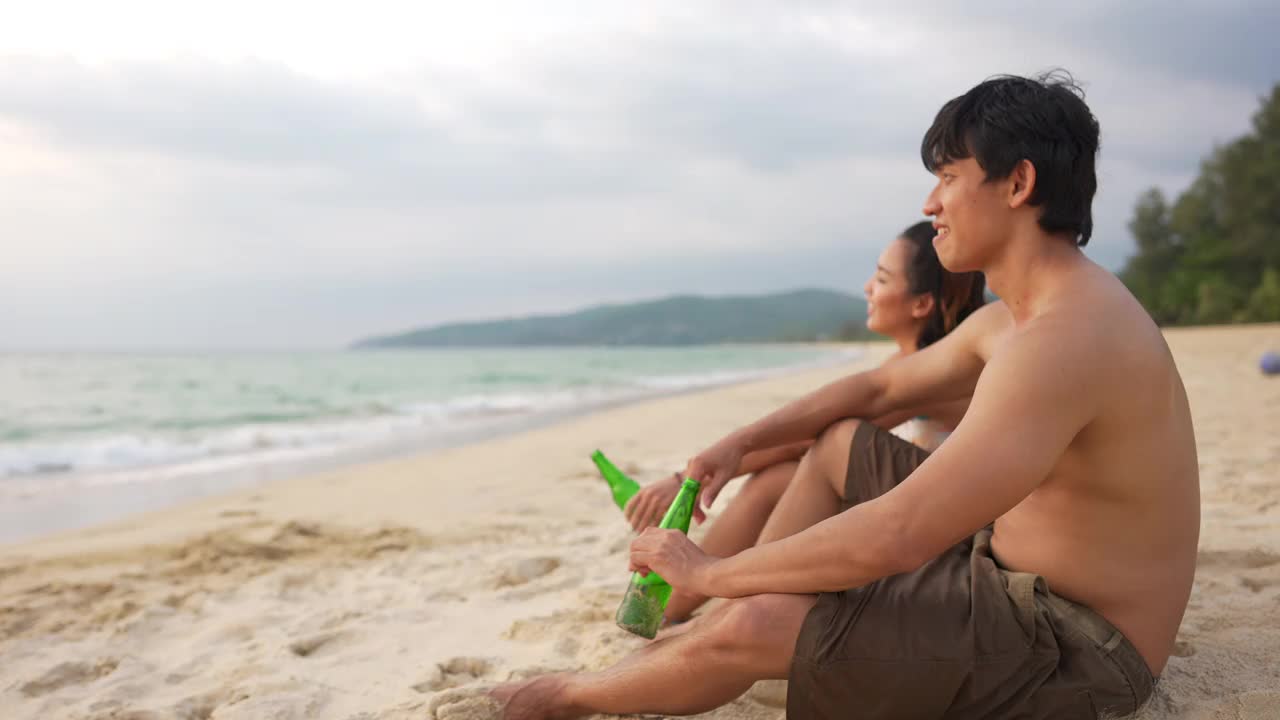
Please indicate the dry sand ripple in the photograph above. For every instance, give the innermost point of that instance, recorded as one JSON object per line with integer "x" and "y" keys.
{"x": 376, "y": 593}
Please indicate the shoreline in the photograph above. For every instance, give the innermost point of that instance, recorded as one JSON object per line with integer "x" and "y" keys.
{"x": 105, "y": 497}
{"x": 169, "y": 497}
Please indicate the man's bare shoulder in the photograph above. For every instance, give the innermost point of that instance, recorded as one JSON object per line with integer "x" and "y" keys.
{"x": 1101, "y": 333}
{"x": 981, "y": 331}
{"x": 1100, "y": 311}
{"x": 992, "y": 316}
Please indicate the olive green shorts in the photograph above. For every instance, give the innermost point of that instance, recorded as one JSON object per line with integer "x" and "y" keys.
{"x": 960, "y": 637}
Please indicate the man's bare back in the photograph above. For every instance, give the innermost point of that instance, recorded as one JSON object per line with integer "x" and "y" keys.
{"x": 1116, "y": 523}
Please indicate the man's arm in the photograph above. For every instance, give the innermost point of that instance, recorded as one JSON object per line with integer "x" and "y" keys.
{"x": 1031, "y": 402}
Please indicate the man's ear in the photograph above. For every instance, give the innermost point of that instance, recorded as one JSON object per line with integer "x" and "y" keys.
{"x": 922, "y": 306}
{"x": 1022, "y": 183}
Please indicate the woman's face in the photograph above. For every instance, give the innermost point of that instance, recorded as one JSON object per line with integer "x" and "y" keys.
{"x": 891, "y": 308}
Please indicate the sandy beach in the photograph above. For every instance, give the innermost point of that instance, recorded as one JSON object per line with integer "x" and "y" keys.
{"x": 363, "y": 593}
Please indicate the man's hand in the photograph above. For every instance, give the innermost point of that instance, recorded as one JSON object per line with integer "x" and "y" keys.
{"x": 675, "y": 557}
{"x": 647, "y": 507}
{"x": 714, "y": 467}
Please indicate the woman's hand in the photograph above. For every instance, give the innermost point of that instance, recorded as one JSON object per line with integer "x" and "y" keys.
{"x": 715, "y": 467}
{"x": 647, "y": 507}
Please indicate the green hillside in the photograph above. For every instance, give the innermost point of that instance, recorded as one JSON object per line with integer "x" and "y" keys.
{"x": 681, "y": 320}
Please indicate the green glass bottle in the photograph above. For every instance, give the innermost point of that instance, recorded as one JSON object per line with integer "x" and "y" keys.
{"x": 646, "y": 599}
{"x": 620, "y": 485}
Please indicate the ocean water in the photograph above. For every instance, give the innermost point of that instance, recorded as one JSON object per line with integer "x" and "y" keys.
{"x": 72, "y": 423}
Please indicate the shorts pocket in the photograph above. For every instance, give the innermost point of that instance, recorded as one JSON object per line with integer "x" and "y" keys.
{"x": 1085, "y": 701}
{"x": 1007, "y": 616}
{"x": 1021, "y": 588}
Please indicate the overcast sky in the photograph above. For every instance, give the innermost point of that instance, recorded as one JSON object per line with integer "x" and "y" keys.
{"x": 280, "y": 175}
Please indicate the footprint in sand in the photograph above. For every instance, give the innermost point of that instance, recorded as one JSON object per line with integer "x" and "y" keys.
{"x": 568, "y": 646}
{"x": 526, "y": 569}
{"x": 199, "y": 707}
{"x": 68, "y": 673}
{"x": 130, "y": 715}
{"x": 1258, "y": 584}
{"x": 8, "y": 570}
{"x": 1250, "y": 559}
{"x": 770, "y": 693}
{"x": 454, "y": 672}
{"x": 309, "y": 646}
{"x": 556, "y": 624}
{"x": 290, "y": 585}
{"x": 532, "y": 590}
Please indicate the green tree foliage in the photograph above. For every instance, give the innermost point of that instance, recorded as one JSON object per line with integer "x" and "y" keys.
{"x": 1213, "y": 256}
{"x": 1264, "y": 303}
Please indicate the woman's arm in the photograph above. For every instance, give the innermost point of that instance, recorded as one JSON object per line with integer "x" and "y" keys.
{"x": 757, "y": 460}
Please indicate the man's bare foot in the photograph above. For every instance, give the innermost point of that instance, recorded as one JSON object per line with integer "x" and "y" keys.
{"x": 541, "y": 698}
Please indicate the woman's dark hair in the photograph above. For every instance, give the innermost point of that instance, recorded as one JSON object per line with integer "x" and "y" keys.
{"x": 955, "y": 295}
{"x": 1007, "y": 119}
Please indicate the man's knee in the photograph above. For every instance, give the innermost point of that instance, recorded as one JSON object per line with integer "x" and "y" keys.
{"x": 744, "y": 619}
{"x": 756, "y": 631}
{"x": 744, "y": 622}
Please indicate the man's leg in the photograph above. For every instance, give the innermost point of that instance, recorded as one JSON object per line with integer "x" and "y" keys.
{"x": 752, "y": 639}
{"x": 817, "y": 490}
{"x": 738, "y": 527}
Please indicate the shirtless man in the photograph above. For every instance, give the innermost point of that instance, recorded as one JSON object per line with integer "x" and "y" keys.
{"x": 1037, "y": 565}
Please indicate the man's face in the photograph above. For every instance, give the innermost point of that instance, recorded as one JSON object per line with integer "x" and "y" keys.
{"x": 969, "y": 214}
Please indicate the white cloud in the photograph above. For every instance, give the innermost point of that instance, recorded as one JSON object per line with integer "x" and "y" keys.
{"x": 291, "y": 174}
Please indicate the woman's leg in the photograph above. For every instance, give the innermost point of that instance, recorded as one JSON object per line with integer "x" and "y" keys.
{"x": 817, "y": 490}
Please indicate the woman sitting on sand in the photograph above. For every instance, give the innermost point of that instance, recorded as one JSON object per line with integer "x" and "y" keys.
{"x": 912, "y": 300}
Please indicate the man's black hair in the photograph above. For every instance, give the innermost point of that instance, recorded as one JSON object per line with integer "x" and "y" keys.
{"x": 1006, "y": 119}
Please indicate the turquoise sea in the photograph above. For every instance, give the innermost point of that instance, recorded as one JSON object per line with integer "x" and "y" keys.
{"x": 161, "y": 425}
